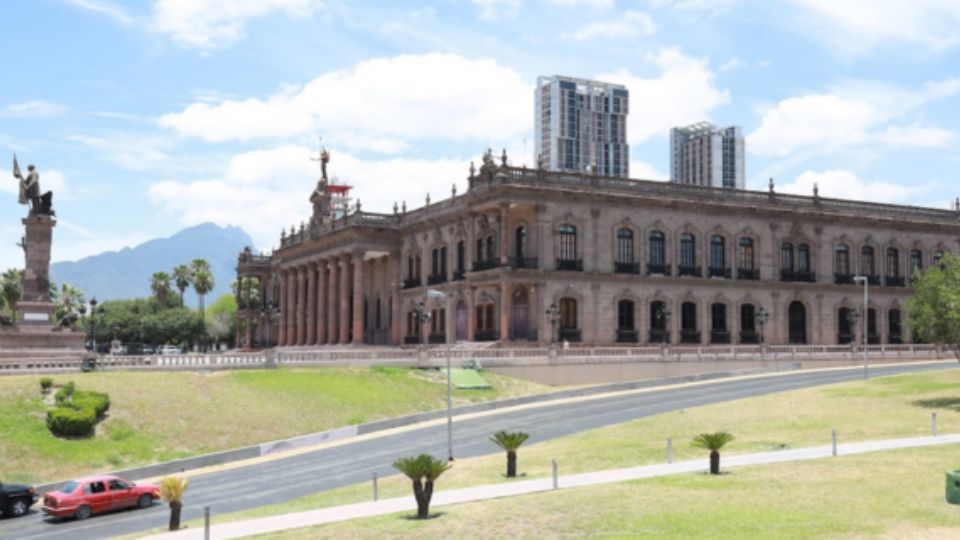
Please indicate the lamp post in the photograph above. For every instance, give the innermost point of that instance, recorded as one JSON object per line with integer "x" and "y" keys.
{"x": 553, "y": 315}
{"x": 93, "y": 323}
{"x": 866, "y": 319}
{"x": 440, "y": 296}
{"x": 762, "y": 317}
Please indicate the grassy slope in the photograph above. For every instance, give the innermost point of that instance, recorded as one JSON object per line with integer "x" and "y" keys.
{"x": 157, "y": 416}
{"x": 880, "y": 408}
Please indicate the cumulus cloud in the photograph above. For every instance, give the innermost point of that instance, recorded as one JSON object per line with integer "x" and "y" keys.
{"x": 265, "y": 190}
{"x": 685, "y": 92}
{"x": 211, "y": 24}
{"x": 845, "y": 184}
{"x": 379, "y": 104}
{"x": 594, "y": 4}
{"x": 854, "y": 114}
{"x": 630, "y": 24}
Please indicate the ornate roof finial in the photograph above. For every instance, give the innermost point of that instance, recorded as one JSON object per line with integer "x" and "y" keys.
{"x": 428, "y": 199}
{"x": 958, "y": 204}
{"x": 396, "y": 208}
{"x": 771, "y": 185}
{"x": 503, "y": 158}
{"x": 816, "y": 191}
{"x": 403, "y": 207}
{"x": 473, "y": 170}
{"x": 358, "y": 204}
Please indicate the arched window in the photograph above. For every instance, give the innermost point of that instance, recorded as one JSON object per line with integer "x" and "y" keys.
{"x": 786, "y": 256}
{"x": 568, "y": 243}
{"x": 491, "y": 247}
{"x": 797, "y": 323}
{"x": 624, "y": 246}
{"x": 688, "y": 250}
{"x": 569, "y": 328}
{"x": 718, "y": 252}
{"x": 520, "y": 242}
{"x": 845, "y": 325}
{"x": 894, "y": 328}
{"x": 803, "y": 258}
{"x": 842, "y": 260}
{"x": 658, "y": 255}
{"x": 867, "y": 267}
{"x": 718, "y": 323}
{"x": 893, "y": 262}
{"x": 659, "y": 319}
{"x": 873, "y": 337}
{"x": 461, "y": 258}
{"x": 748, "y": 324}
{"x": 746, "y": 254}
{"x": 688, "y": 323}
{"x": 916, "y": 261}
{"x": 625, "y": 315}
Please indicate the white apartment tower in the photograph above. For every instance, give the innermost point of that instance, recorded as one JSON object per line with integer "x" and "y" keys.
{"x": 581, "y": 126}
{"x": 704, "y": 155}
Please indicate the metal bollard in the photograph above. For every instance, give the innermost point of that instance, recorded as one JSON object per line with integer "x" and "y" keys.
{"x": 933, "y": 424}
{"x": 555, "y": 483}
{"x": 669, "y": 450}
{"x": 834, "y": 436}
{"x": 206, "y": 523}
{"x": 376, "y": 495}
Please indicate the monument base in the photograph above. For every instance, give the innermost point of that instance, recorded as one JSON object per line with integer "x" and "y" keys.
{"x": 36, "y": 314}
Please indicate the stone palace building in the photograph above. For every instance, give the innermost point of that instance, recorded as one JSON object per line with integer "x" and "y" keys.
{"x": 527, "y": 256}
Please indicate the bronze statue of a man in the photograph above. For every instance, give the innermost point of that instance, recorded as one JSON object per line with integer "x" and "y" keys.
{"x": 29, "y": 187}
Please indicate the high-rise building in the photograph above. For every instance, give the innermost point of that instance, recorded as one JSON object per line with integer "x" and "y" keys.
{"x": 581, "y": 126}
{"x": 704, "y": 155}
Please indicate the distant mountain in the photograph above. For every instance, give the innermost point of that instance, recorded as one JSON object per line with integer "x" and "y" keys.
{"x": 126, "y": 273}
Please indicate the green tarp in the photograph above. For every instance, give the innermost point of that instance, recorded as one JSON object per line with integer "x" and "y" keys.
{"x": 467, "y": 378}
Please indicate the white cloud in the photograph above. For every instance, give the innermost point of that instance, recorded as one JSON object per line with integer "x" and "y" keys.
{"x": 594, "y": 4}
{"x": 732, "y": 64}
{"x": 712, "y": 6}
{"x": 645, "y": 171}
{"x": 493, "y": 10}
{"x": 109, "y": 9}
{"x": 844, "y": 184}
{"x": 857, "y": 26}
{"x": 264, "y": 190}
{"x": 682, "y": 94}
{"x": 854, "y": 114}
{"x": 130, "y": 151}
{"x": 211, "y": 24}
{"x": 630, "y": 24}
{"x": 33, "y": 108}
{"x": 380, "y": 104}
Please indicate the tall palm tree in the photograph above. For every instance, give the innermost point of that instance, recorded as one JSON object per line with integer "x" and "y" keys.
{"x": 172, "y": 490}
{"x": 203, "y": 283}
{"x": 713, "y": 442}
{"x": 510, "y": 441}
{"x": 11, "y": 290}
{"x": 160, "y": 286}
{"x": 423, "y": 471}
{"x": 182, "y": 278}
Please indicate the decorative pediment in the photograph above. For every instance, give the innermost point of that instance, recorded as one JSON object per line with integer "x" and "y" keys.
{"x": 796, "y": 229}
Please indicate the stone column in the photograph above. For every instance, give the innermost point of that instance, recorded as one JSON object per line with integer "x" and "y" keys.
{"x": 301, "y": 305}
{"x": 358, "y": 298}
{"x": 471, "y": 313}
{"x": 249, "y": 329}
{"x": 291, "y": 307}
{"x": 311, "y": 338}
{"x": 282, "y": 301}
{"x": 471, "y": 255}
{"x": 394, "y": 277}
{"x": 344, "y": 297}
{"x": 542, "y": 237}
{"x": 504, "y": 233}
{"x": 332, "y": 305}
{"x": 504, "y": 312}
{"x": 321, "y": 306}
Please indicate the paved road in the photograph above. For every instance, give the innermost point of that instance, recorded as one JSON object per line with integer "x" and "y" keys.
{"x": 296, "y": 476}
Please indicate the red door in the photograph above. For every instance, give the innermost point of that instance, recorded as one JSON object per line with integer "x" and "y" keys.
{"x": 97, "y": 497}
{"x": 122, "y": 496}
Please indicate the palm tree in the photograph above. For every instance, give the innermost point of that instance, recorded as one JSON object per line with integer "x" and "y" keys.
{"x": 203, "y": 283}
{"x": 160, "y": 285}
{"x": 423, "y": 470}
{"x": 510, "y": 441}
{"x": 171, "y": 490}
{"x": 181, "y": 276}
{"x": 10, "y": 289}
{"x": 713, "y": 442}
{"x": 68, "y": 300}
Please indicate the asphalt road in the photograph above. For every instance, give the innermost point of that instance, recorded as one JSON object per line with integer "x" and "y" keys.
{"x": 289, "y": 478}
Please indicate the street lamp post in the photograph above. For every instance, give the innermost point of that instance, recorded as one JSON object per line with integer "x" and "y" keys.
{"x": 553, "y": 315}
{"x": 440, "y": 296}
{"x": 93, "y": 323}
{"x": 762, "y": 317}
{"x": 866, "y": 319}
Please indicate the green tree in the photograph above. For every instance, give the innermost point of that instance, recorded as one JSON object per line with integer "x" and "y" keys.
{"x": 181, "y": 278}
{"x": 67, "y": 300}
{"x": 180, "y": 325}
{"x": 203, "y": 283}
{"x": 11, "y": 291}
{"x": 222, "y": 319}
{"x": 933, "y": 312}
{"x": 160, "y": 286}
{"x": 423, "y": 471}
{"x": 714, "y": 442}
{"x": 510, "y": 441}
{"x": 172, "y": 490}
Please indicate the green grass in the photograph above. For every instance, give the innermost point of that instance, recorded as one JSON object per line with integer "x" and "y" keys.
{"x": 158, "y": 416}
{"x": 880, "y": 408}
{"x": 896, "y": 494}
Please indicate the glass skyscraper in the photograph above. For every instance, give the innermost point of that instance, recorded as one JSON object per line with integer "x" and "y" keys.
{"x": 704, "y": 155}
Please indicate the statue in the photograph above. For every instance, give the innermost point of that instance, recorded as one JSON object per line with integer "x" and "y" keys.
{"x": 30, "y": 191}
{"x": 324, "y": 159}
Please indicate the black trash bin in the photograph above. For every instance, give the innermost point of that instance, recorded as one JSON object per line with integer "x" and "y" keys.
{"x": 89, "y": 363}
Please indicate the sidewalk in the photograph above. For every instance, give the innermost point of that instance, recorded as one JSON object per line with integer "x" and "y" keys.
{"x": 238, "y": 529}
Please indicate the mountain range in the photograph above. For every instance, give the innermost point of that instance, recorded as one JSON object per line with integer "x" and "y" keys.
{"x": 126, "y": 273}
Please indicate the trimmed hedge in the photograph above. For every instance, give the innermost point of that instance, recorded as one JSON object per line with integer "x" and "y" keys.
{"x": 45, "y": 384}
{"x": 77, "y": 411}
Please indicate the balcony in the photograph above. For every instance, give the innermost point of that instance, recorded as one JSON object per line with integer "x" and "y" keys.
{"x": 486, "y": 264}
{"x": 526, "y": 263}
{"x": 411, "y": 283}
{"x": 718, "y": 272}
{"x": 486, "y": 335}
{"x": 693, "y": 271}
{"x": 659, "y": 336}
{"x": 719, "y": 336}
{"x": 570, "y": 265}
{"x": 570, "y": 334}
{"x": 749, "y": 337}
{"x": 805, "y": 276}
{"x": 411, "y": 340}
{"x": 749, "y": 274}
{"x": 458, "y": 275}
{"x": 689, "y": 336}
{"x": 436, "y": 279}
{"x": 658, "y": 269}
{"x": 628, "y": 335}
{"x": 626, "y": 268}
{"x": 873, "y": 280}
{"x": 894, "y": 281}
{"x": 437, "y": 339}
{"x": 843, "y": 279}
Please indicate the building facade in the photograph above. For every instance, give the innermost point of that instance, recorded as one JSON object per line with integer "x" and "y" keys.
{"x": 530, "y": 256}
{"x": 704, "y": 155}
{"x": 581, "y": 126}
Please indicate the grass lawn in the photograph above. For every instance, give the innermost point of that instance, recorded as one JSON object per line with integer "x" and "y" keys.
{"x": 895, "y": 494}
{"x": 158, "y": 416}
{"x": 887, "y": 407}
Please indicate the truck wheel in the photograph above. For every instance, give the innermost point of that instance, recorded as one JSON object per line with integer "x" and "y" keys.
{"x": 83, "y": 512}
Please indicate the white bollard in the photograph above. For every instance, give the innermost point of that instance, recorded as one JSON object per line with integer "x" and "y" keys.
{"x": 933, "y": 424}
{"x": 833, "y": 434}
{"x": 669, "y": 450}
{"x": 555, "y": 483}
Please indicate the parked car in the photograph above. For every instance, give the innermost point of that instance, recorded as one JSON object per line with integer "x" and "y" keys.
{"x": 147, "y": 349}
{"x": 169, "y": 349}
{"x": 16, "y": 499}
{"x": 84, "y": 497}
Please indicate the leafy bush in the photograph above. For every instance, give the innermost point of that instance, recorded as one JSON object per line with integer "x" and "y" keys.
{"x": 97, "y": 401}
{"x": 70, "y": 422}
{"x": 45, "y": 384}
{"x": 65, "y": 392}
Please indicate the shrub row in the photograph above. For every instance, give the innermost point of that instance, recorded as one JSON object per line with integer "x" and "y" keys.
{"x": 77, "y": 411}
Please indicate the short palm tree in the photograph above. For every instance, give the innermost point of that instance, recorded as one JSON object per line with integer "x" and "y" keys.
{"x": 160, "y": 286}
{"x": 10, "y": 289}
{"x": 171, "y": 490}
{"x": 423, "y": 471}
{"x": 181, "y": 277}
{"x": 510, "y": 441}
{"x": 713, "y": 442}
{"x": 68, "y": 300}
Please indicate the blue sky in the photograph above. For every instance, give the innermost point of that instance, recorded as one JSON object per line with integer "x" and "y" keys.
{"x": 147, "y": 117}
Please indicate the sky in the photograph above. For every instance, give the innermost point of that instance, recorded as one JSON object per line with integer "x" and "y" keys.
{"x": 147, "y": 117}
